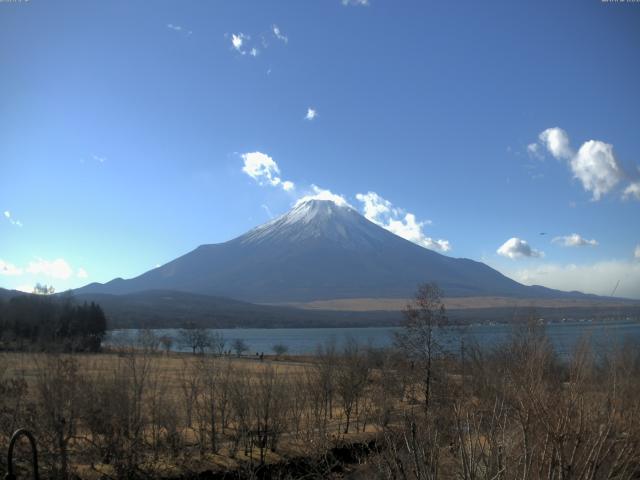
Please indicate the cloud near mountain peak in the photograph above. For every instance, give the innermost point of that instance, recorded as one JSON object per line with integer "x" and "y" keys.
{"x": 265, "y": 171}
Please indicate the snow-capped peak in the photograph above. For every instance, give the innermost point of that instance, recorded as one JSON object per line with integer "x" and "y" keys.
{"x": 311, "y": 209}
{"x": 312, "y": 218}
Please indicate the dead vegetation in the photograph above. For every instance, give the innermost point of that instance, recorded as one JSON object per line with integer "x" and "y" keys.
{"x": 515, "y": 411}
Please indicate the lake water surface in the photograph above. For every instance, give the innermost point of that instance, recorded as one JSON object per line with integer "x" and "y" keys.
{"x": 564, "y": 336}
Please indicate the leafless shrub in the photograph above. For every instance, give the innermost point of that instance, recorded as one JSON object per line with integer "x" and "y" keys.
{"x": 352, "y": 375}
{"x": 58, "y": 387}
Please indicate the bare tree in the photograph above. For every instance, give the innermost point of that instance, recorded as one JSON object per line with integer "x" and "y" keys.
{"x": 269, "y": 410}
{"x": 423, "y": 317}
{"x": 326, "y": 361}
{"x": 14, "y": 401}
{"x": 147, "y": 340}
{"x": 167, "y": 342}
{"x": 239, "y": 346}
{"x": 352, "y": 375}
{"x": 196, "y": 338}
{"x": 58, "y": 386}
{"x": 280, "y": 349}
{"x": 218, "y": 343}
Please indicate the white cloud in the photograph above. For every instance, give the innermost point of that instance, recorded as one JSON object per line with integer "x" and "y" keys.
{"x": 574, "y": 240}
{"x": 533, "y": 149}
{"x": 12, "y": 221}
{"x": 318, "y": 193}
{"x": 24, "y": 288}
{"x": 288, "y": 185}
{"x": 361, "y": 3}
{"x": 636, "y": 252}
{"x": 633, "y": 190}
{"x": 382, "y": 212}
{"x": 278, "y": 34}
{"x": 594, "y": 165}
{"x": 9, "y": 269}
{"x": 556, "y": 141}
{"x": 375, "y": 206}
{"x": 311, "y": 114}
{"x": 598, "y": 278}
{"x": 264, "y": 169}
{"x": 179, "y": 29}
{"x": 518, "y": 248}
{"x": 245, "y": 44}
{"x": 57, "y": 268}
{"x": 82, "y": 273}
{"x": 237, "y": 42}
{"x": 259, "y": 166}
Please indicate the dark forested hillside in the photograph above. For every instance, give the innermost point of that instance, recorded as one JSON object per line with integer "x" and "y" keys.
{"x": 172, "y": 309}
{"x": 45, "y": 322}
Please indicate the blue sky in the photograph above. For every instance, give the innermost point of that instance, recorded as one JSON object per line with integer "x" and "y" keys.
{"x": 469, "y": 128}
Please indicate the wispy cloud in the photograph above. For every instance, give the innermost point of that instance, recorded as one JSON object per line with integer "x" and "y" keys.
{"x": 574, "y": 240}
{"x": 517, "y": 248}
{"x": 533, "y": 149}
{"x": 404, "y": 224}
{"x": 359, "y": 3}
{"x": 278, "y": 34}
{"x": 264, "y": 170}
{"x": 58, "y": 268}
{"x": 82, "y": 273}
{"x": 636, "y": 252}
{"x": 267, "y": 210}
{"x": 632, "y": 191}
{"x": 311, "y": 114}
{"x": 94, "y": 158}
{"x": 246, "y": 44}
{"x": 594, "y": 164}
{"x": 179, "y": 29}
{"x": 7, "y": 214}
{"x": 238, "y": 42}
{"x": 317, "y": 193}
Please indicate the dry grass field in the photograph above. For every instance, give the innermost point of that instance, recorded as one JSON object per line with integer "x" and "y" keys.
{"x": 460, "y": 303}
{"x": 512, "y": 412}
{"x": 179, "y": 412}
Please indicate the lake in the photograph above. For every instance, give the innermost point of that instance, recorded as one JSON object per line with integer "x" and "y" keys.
{"x": 564, "y": 336}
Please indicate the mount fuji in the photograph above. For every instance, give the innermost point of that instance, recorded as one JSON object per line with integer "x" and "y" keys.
{"x": 321, "y": 250}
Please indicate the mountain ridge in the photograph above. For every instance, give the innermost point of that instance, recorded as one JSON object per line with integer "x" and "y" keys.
{"x": 320, "y": 250}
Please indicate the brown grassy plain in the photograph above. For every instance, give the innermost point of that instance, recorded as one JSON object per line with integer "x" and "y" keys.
{"x": 515, "y": 411}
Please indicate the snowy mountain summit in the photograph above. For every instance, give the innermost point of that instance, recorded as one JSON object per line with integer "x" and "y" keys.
{"x": 322, "y": 220}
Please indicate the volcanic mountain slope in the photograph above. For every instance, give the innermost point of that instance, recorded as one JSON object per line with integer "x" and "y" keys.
{"x": 320, "y": 250}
